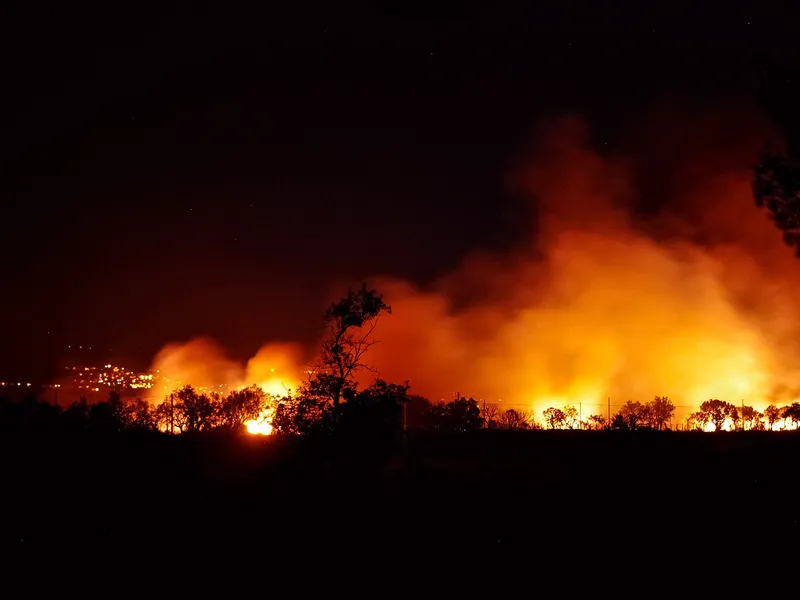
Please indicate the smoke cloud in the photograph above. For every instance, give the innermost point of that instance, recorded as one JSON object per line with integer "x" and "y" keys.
{"x": 649, "y": 272}
{"x": 201, "y": 362}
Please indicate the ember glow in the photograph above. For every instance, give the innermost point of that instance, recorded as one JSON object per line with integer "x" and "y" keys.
{"x": 649, "y": 273}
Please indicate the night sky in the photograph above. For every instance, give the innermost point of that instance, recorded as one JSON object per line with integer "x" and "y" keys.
{"x": 171, "y": 171}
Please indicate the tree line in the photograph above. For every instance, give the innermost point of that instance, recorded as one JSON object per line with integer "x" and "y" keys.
{"x": 384, "y": 408}
{"x": 331, "y": 402}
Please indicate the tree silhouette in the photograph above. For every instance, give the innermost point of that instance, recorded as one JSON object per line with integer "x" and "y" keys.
{"x": 634, "y": 415}
{"x": 735, "y": 417}
{"x": 240, "y": 406}
{"x": 461, "y": 414}
{"x": 29, "y": 416}
{"x": 194, "y": 411}
{"x": 554, "y": 417}
{"x": 139, "y": 415}
{"x": 329, "y": 401}
{"x": 571, "y": 417}
{"x": 301, "y": 415}
{"x": 792, "y": 413}
{"x": 351, "y": 325}
{"x": 618, "y": 423}
{"x": 717, "y": 412}
{"x": 514, "y": 419}
{"x": 697, "y": 421}
{"x": 751, "y": 418}
{"x": 776, "y": 187}
{"x": 596, "y": 422}
{"x": 418, "y": 412}
{"x": 489, "y": 415}
{"x": 376, "y": 411}
{"x": 776, "y": 180}
{"x": 660, "y": 411}
{"x": 772, "y": 414}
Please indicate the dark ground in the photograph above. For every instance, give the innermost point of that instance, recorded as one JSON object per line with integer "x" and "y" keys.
{"x": 470, "y": 505}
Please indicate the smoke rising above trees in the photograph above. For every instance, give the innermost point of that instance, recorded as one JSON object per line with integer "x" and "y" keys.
{"x": 648, "y": 272}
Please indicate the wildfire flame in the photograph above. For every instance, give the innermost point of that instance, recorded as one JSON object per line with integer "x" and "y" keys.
{"x": 260, "y": 426}
{"x": 650, "y": 272}
{"x": 276, "y": 369}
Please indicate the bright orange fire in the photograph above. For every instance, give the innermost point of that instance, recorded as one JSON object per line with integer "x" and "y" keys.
{"x": 651, "y": 272}
{"x": 260, "y": 426}
{"x": 693, "y": 298}
{"x": 276, "y": 369}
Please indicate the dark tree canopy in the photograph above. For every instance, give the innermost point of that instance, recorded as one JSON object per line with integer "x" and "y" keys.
{"x": 776, "y": 180}
{"x": 716, "y": 412}
{"x": 776, "y": 187}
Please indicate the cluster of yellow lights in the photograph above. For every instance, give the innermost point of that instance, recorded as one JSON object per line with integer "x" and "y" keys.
{"x": 11, "y": 384}
{"x": 110, "y": 376}
{"x": 203, "y": 389}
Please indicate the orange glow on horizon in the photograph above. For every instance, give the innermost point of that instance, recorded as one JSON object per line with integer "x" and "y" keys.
{"x": 693, "y": 298}
{"x": 276, "y": 368}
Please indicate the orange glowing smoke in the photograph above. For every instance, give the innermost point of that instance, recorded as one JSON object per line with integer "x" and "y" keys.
{"x": 650, "y": 273}
{"x": 202, "y": 363}
{"x": 694, "y": 299}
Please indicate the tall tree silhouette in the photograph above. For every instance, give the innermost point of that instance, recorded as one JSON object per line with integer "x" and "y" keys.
{"x": 660, "y": 411}
{"x": 351, "y": 326}
{"x": 772, "y": 414}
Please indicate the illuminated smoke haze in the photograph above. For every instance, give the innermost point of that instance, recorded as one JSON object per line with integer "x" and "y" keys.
{"x": 203, "y": 363}
{"x": 648, "y": 273}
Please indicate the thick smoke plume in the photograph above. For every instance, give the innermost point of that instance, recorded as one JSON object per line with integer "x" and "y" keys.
{"x": 649, "y": 273}
{"x": 202, "y": 363}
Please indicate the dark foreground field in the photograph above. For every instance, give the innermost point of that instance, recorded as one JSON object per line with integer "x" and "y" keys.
{"x": 245, "y": 506}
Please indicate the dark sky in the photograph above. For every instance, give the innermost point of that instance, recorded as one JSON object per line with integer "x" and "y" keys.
{"x": 176, "y": 170}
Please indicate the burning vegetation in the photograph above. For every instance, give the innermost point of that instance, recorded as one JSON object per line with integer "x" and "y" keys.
{"x": 648, "y": 274}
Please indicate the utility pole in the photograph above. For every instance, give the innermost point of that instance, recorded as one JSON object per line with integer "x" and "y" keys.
{"x": 580, "y": 413}
{"x": 742, "y": 414}
{"x": 171, "y": 414}
{"x": 608, "y": 423}
{"x": 405, "y": 431}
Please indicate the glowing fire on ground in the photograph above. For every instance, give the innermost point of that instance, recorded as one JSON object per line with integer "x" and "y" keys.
{"x": 276, "y": 388}
{"x": 649, "y": 273}
{"x": 260, "y": 426}
{"x": 202, "y": 363}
